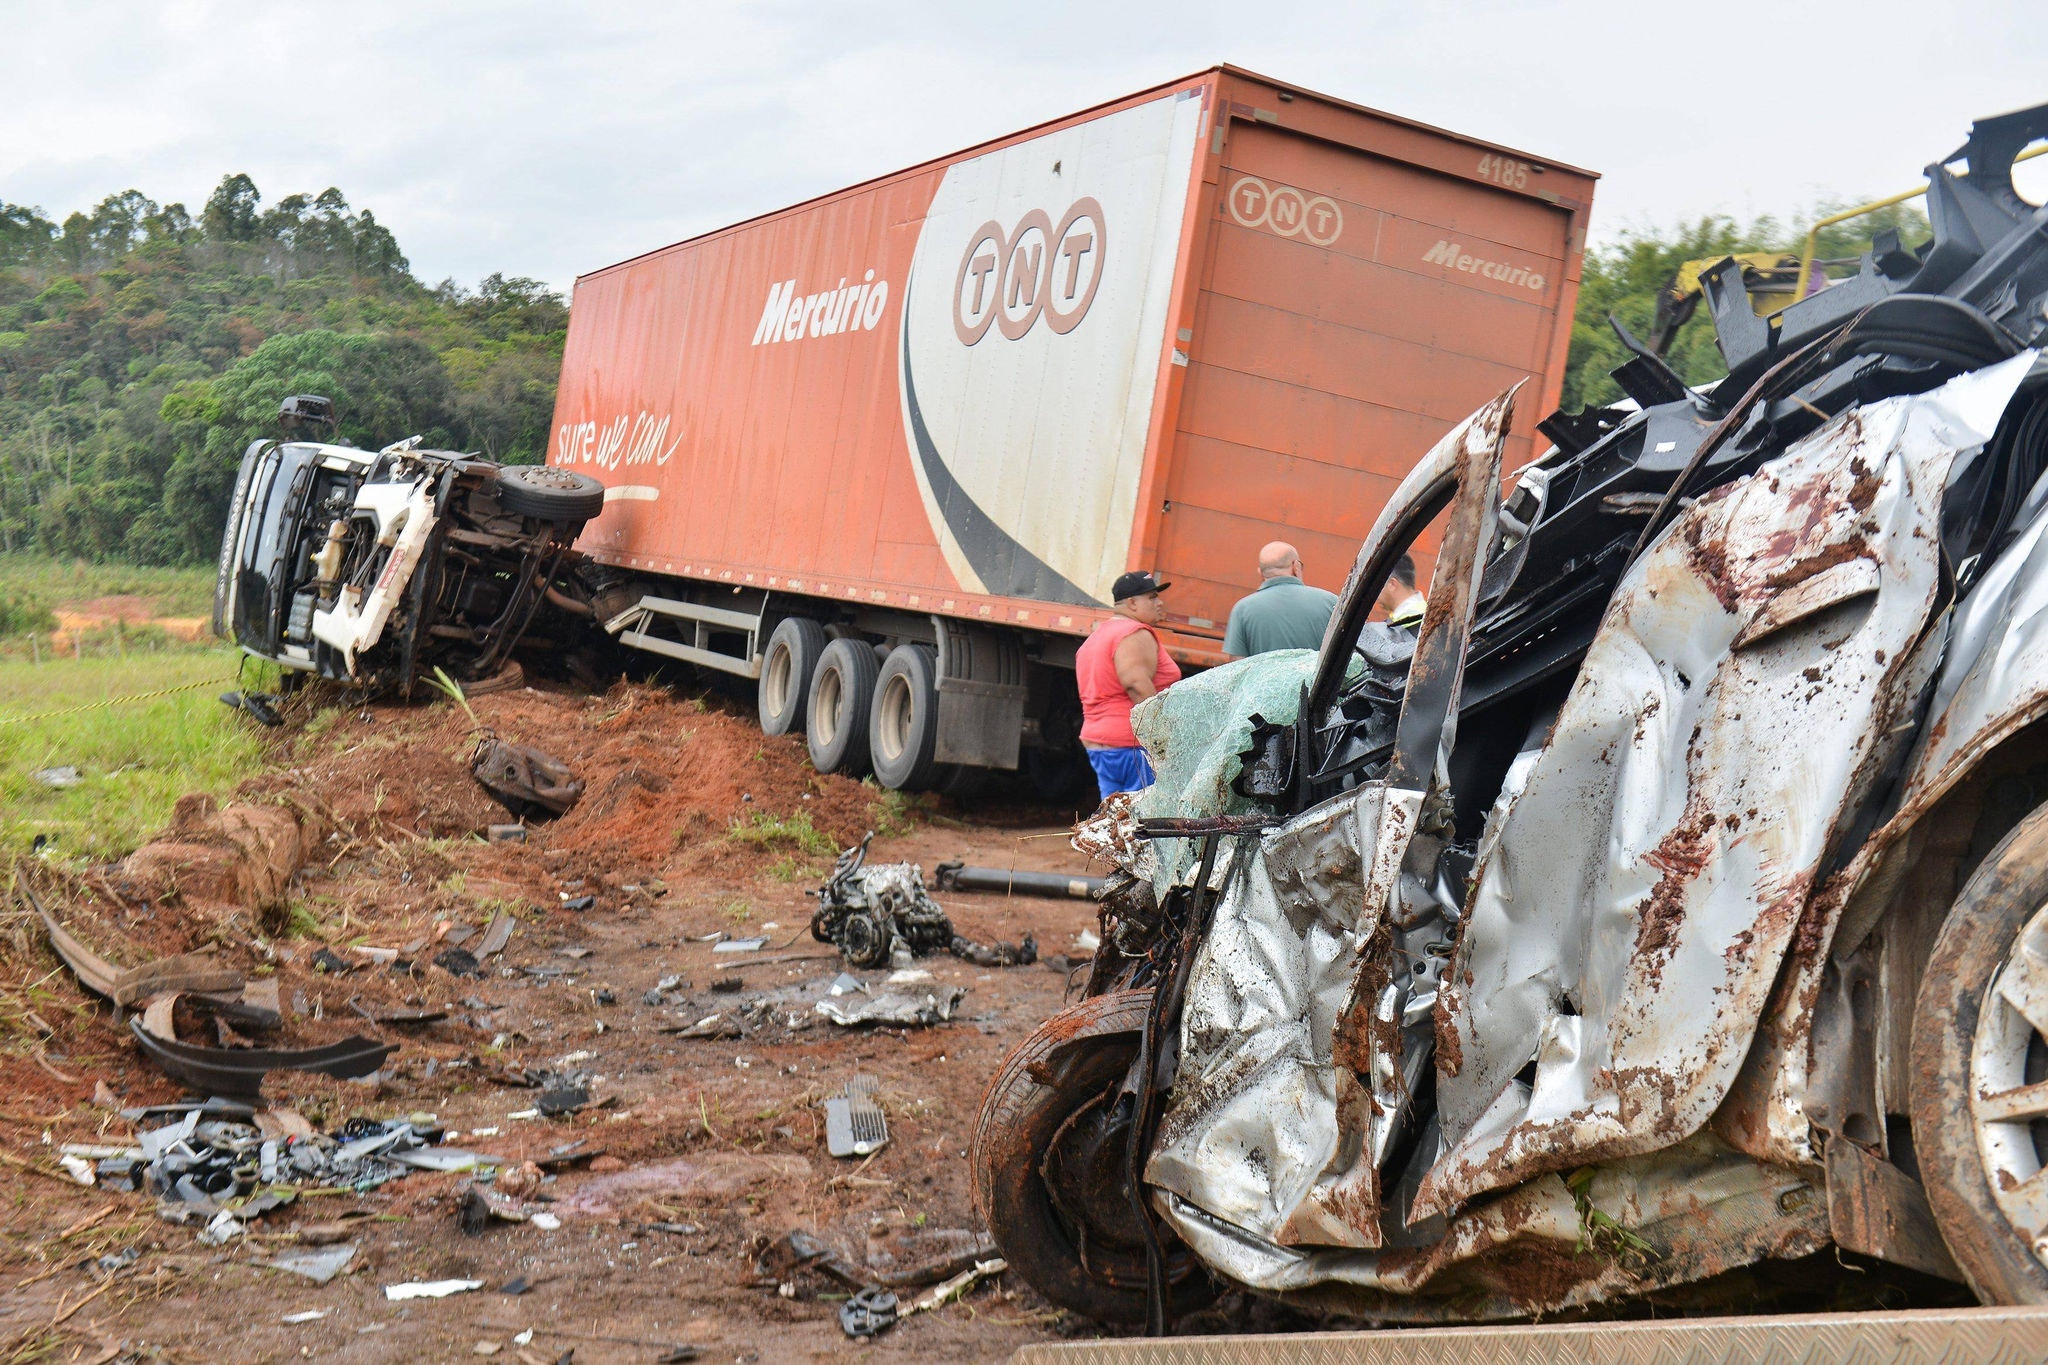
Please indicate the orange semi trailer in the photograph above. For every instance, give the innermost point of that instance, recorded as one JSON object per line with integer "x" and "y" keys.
{"x": 886, "y": 450}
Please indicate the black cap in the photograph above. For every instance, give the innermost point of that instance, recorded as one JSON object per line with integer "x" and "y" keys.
{"x": 1136, "y": 583}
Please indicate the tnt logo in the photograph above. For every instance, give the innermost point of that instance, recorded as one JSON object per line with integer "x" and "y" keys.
{"x": 1285, "y": 210}
{"x": 1009, "y": 280}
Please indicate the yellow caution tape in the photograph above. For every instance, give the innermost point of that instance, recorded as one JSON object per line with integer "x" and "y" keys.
{"x": 118, "y": 701}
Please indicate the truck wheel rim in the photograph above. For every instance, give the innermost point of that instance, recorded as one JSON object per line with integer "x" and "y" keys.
{"x": 898, "y": 708}
{"x": 778, "y": 678}
{"x": 826, "y": 711}
{"x": 2009, "y": 1085}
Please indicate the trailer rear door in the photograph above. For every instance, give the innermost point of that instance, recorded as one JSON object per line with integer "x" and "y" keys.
{"x": 1352, "y": 307}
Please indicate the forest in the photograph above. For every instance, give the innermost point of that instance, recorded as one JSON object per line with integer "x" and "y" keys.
{"x": 143, "y": 346}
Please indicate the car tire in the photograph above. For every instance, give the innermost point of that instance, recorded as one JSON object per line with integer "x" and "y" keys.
{"x": 547, "y": 493}
{"x": 836, "y": 717}
{"x": 903, "y": 722}
{"x": 1971, "y": 1046}
{"x": 783, "y": 696}
{"x": 1071, "y": 1233}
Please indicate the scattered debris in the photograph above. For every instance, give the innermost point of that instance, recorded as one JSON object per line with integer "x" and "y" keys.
{"x": 59, "y": 778}
{"x": 740, "y": 945}
{"x": 318, "y": 1266}
{"x": 130, "y": 986}
{"x": 429, "y": 1289}
{"x": 525, "y": 781}
{"x": 798, "y": 1250}
{"x": 457, "y": 962}
{"x": 215, "y": 1163}
{"x": 854, "y": 1123}
{"x": 310, "y": 1315}
{"x": 260, "y": 707}
{"x": 902, "y": 1255}
{"x": 331, "y": 962}
{"x": 497, "y": 934}
{"x": 958, "y": 1286}
{"x": 238, "y": 1073}
{"x": 520, "y": 1182}
{"x": 909, "y": 1011}
{"x": 870, "y": 912}
{"x": 869, "y": 1313}
{"x": 961, "y": 877}
{"x": 505, "y": 834}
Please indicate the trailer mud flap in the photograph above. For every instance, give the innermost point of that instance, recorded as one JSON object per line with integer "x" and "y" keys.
{"x": 981, "y": 696}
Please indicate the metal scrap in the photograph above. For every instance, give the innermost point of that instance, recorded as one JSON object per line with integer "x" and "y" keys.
{"x": 238, "y": 1073}
{"x": 128, "y": 986}
{"x": 909, "y": 1011}
{"x": 868, "y": 910}
{"x": 527, "y": 782}
{"x": 854, "y": 1124}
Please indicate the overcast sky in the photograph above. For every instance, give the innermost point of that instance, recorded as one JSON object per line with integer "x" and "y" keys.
{"x": 548, "y": 139}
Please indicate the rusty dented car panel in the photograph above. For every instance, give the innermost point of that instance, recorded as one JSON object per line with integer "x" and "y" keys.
{"x": 1642, "y": 874}
{"x": 1631, "y": 968}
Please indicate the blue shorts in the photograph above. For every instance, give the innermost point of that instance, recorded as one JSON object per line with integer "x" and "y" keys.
{"x": 1120, "y": 770}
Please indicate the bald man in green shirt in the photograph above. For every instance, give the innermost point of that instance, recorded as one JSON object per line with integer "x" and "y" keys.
{"x": 1285, "y": 613}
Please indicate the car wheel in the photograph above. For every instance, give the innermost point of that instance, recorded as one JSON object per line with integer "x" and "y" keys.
{"x": 842, "y": 694}
{"x": 1049, "y": 1167}
{"x": 547, "y": 493}
{"x": 787, "y": 664}
{"x": 903, "y": 726}
{"x": 1978, "y": 1092}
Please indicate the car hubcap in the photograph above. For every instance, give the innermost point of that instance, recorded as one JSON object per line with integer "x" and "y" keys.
{"x": 2009, "y": 1085}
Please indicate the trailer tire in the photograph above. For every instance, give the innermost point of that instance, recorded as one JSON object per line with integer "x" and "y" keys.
{"x": 547, "y": 493}
{"x": 842, "y": 694}
{"x": 1971, "y": 1047}
{"x": 903, "y": 722}
{"x": 784, "y": 695}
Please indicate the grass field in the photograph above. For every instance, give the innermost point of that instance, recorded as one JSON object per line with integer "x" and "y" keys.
{"x": 135, "y": 758}
{"x": 55, "y": 583}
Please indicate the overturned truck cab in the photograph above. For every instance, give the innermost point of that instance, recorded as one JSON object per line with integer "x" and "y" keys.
{"x": 376, "y": 567}
{"x": 1668, "y": 901}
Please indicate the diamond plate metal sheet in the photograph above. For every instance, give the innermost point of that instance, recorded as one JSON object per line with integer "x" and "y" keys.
{"x": 1970, "y": 1336}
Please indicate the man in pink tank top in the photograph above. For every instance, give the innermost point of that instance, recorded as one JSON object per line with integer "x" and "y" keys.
{"x": 1119, "y": 665}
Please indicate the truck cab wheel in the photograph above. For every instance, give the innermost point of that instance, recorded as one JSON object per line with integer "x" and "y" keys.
{"x": 1978, "y": 1090}
{"x": 842, "y": 694}
{"x": 787, "y": 664}
{"x": 903, "y": 724}
{"x": 548, "y": 493}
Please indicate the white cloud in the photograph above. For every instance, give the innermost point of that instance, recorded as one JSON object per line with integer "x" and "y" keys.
{"x": 547, "y": 140}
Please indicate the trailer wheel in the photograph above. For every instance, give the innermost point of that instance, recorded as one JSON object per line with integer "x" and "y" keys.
{"x": 549, "y": 494}
{"x": 842, "y": 694}
{"x": 1048, "y": 1167}
{"x": 1978, "y": 1090}
{"x": 786, "y": 668}
{"x": 903, "y": 726}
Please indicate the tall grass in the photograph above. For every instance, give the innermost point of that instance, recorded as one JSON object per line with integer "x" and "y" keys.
{"x": 135, "y": 758}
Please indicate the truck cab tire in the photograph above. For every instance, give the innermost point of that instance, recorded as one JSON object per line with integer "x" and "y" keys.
{"x": 1979, "y": 1059}
{"x": 903, "y": 722}
{"x": 547, "y": 493}
{"x": 842, "y": 694}
{"x": 784, "y": 695}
